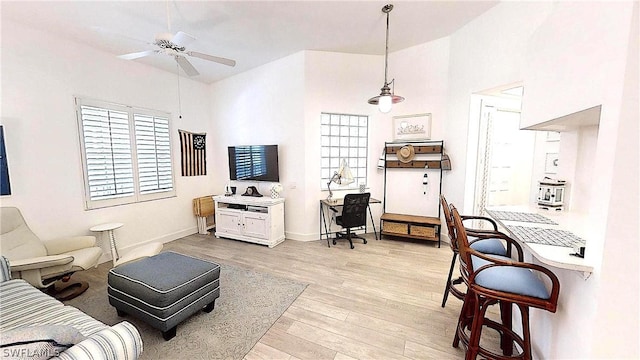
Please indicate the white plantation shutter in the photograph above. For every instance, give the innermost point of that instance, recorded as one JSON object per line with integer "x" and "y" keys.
{"x": 153, "y": 153}
{"x": 107, "y": 153}
{"x": 126, "y": 154}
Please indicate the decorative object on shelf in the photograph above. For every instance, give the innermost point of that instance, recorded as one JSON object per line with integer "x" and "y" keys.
{"x": 406, "y": 153}
{"x": 425, "y": 181}
{"x": 551, "y": 194}
{"x": 412, "y": 127}
{"x": 341, "y": 177}
{"x": 193, "y": 153}
{"x": 387, "y": 96}
{"x": 227, "y": 190}
{"x": 362, "y": 188}
{"x": 252, "y": 191}
{"x": 551, "y": 163}
{"x": 381, "y": 160}
{"x": 276, "y": 189}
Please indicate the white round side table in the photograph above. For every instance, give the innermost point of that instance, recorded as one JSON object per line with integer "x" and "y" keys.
{"x": 108, "y": 229}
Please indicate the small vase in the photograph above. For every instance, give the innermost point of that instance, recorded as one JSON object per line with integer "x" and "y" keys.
{"x": 274, "y": 194}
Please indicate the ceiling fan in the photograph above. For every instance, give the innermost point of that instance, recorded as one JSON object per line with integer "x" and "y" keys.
{"x": 175, "y": 46}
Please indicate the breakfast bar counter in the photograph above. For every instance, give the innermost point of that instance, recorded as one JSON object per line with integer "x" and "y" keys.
{"x": 550, "y": 236}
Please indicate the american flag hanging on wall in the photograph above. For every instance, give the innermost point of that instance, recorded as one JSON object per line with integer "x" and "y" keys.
{"x": 194, "y": 153}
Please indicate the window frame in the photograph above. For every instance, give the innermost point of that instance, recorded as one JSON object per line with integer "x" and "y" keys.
{"x": 136, "y": 196}
{"x": 364, "y": 158}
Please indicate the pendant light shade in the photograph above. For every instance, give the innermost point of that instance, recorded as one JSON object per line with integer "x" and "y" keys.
{"x": 386, "y": 98}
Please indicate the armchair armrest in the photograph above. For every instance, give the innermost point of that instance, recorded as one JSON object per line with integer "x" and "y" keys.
{"x": 64, "y": 245}
{"x": 481, "y": 218}
{"x": 121, "y": 341}
{"x": 5, "y": 271}
{"x": 40, "y": 262}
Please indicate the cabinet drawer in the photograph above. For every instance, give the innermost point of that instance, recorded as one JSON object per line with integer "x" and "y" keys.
{"x": 396, "y": 228}
{"x": 423, "y": 231}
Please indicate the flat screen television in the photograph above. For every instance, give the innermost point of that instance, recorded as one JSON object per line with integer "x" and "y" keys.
{"x": 254, "y": 162}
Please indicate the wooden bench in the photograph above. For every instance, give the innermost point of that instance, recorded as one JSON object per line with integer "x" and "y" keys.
{"x": 411, "y": 226}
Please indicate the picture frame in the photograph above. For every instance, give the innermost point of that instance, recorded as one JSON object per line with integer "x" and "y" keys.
{"x": 551, "y": 163}
{"x": 412, "y": 127}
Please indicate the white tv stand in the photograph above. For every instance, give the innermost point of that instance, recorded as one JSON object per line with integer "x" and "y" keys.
{"x": 258, "y": 220}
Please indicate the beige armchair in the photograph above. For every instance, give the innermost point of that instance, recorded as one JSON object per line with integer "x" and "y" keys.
{"x": 42, "y": 263}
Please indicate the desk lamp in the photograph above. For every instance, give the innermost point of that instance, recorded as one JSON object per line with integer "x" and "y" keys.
{"x": 341, "y": 177}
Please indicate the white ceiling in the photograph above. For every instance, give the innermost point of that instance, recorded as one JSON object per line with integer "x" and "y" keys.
{"x": 251, "y": 32}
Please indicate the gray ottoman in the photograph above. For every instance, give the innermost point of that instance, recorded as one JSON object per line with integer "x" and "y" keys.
{"x": 164, "y": 289}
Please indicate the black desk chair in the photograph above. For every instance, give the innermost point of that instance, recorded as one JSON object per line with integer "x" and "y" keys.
{"x": 354, "y": 215}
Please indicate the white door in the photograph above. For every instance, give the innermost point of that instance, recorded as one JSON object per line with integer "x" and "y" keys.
{"x": 505, "y": 159}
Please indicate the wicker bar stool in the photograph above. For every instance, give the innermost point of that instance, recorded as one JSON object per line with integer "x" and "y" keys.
{"x": 484, "y": 241}
{"x": 492, "y": 280}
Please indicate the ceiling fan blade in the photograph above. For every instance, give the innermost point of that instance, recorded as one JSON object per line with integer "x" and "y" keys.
{"x": 137, "y": 55}
{"x": 186, "y": 66}
{"x": 182, "y": 38}
{"x": 220, "y": 60}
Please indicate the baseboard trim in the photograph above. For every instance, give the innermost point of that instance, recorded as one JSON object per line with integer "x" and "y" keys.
{"x": 162, "y": 239}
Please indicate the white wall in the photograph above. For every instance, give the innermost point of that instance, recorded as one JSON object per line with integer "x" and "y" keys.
{"x": 263, "y": 106}
{"x": 484, "y": 55}
{"x": 304, "y": 85}
{"x": 41, "y": 74}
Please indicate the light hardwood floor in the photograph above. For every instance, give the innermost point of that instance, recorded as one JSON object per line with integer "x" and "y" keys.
{"x": 378, "y": 301}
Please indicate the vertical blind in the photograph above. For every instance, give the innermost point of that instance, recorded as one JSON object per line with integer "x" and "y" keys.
{"x": 126, "y": 154}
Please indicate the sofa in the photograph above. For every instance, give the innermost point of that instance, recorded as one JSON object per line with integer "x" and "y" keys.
{"x": 36, "y": 326}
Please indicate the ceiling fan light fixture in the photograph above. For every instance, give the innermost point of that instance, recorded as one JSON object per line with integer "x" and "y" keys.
{"x": 386, "y": 98}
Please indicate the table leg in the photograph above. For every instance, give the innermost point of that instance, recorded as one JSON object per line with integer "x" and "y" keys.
{"x": 372, "y": 222}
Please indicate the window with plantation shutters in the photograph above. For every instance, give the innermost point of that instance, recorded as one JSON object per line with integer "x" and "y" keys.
{"x": 154, "y": 153}
{"x": 126, "y": 153}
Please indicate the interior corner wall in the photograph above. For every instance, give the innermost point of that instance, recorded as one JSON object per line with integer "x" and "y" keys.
{"x": 263, "y": 106}
{"x": 339, "y": 83}
{"x": 41, "y": 74}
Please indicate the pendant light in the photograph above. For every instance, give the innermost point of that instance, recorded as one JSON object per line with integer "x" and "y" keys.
{"x": 386, "y": 97}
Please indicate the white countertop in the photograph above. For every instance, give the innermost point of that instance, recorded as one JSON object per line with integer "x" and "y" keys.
{"x": 557, "y": 256}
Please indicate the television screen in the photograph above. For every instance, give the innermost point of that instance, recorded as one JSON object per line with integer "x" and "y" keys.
{"x": 254, "y": 162}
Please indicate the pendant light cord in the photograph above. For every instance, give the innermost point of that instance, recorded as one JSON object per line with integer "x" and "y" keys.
{"x": 386, "y": 51}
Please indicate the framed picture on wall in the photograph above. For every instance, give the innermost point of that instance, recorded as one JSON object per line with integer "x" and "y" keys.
{"x": 412, "y": 127}
{"x": 551, "y": 163}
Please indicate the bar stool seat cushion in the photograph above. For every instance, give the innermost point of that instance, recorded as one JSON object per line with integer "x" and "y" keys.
{"x": 510, "y": 279}
{"x": 487, "y": 246}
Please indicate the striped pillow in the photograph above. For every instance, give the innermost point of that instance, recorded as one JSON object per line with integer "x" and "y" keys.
{"x": 5, "y": 272}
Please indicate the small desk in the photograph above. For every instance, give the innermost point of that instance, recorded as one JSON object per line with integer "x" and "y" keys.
{"x": 558, "y": 256}
{"x": 327, "y": 204}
